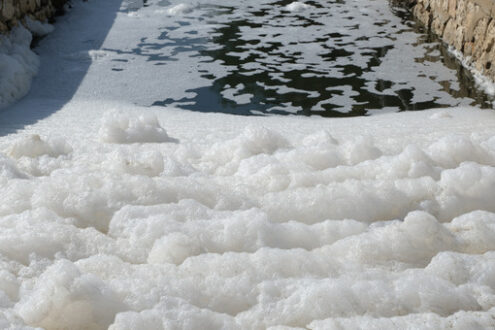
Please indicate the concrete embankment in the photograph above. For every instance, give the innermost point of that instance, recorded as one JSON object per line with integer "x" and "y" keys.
{"x": 467, "y": 25}
{"x": 14, "y": 11}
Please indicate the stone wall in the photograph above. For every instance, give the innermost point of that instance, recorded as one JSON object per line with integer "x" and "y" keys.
{"x": 467, "y": 25}
{"x": 14, "y": 11}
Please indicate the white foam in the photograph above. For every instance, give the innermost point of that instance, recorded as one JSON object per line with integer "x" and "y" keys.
{"x": 248, "y": 222}
{"x": 180, "y": 9}
{"x": 440, "y": 115}
{"x": 34, "y": 146}
{"x": 64, "y": 298}
{"x": 485, "y": 83}
{"x": 18, "y": 65}
{"x": 297, "y": 6}
{"x": 38, "y": 28}
{"x": 118, "y": 128}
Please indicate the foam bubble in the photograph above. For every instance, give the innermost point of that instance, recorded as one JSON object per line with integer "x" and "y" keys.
{"x": 119, "y": 128}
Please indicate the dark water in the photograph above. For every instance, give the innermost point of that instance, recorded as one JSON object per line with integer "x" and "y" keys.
{"x": 334, "y": 59}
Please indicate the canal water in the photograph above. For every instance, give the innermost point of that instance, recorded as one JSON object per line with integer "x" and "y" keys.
{"x": 331, "y": 58}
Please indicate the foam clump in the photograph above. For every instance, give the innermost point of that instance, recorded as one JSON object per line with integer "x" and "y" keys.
{"x": 9, "y": 169}
{"x": 38, "y": 28}
{"x": 149, "y": 163}
{"x": 33, "y": 146}
{"x": 180, "y": 9}
{"x": 64, "y": 298}
{"x": 441, "y": 115}
{"x": 18, "y": 65}
{"x": 252, "y": 142}
{"x": 173, "y": 248}
{"x": 119, "y": 128}
{"x": 36, "y": 155}
{"x": 297, "y": 7}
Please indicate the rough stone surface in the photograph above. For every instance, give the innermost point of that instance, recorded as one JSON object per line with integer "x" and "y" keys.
{"x": 8, "y": 10}
{"x": 14, "y": 11}
{"x": 467, "y": 25}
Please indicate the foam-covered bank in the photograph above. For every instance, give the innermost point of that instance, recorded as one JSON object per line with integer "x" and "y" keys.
{"x": 20, "y": 21}
{"x": 18, "y": 63}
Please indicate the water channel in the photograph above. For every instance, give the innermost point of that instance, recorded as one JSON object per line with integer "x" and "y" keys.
{"x": 331, "y": 58}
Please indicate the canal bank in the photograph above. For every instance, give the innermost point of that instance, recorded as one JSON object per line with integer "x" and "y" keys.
{"x": 14, "y": 11}
{"x": 466, "y": 25}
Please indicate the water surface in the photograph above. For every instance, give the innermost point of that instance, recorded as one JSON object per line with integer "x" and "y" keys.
{"x": 333, "y": 58}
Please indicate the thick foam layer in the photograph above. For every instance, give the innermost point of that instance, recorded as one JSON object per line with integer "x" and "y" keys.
{"x": 186, "y": 220}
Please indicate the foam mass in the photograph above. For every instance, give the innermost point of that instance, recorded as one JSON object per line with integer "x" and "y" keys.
{"x": 156, "y": 222}
{"x": 18, "y": 63}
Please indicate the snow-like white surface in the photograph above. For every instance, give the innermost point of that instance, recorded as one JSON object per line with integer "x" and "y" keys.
{"x": 118, "y": 216}
{"x": 235, "y": 222}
